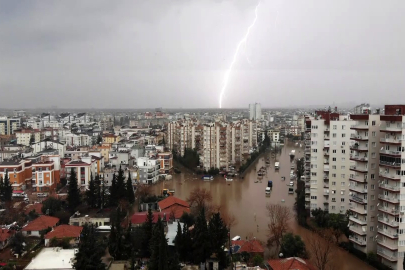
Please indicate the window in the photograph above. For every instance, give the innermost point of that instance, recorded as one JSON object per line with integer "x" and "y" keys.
{"x": 372, "y": 207}
{"x": 343, "y": 143}
{"x": 371, "y": 228}
{"x": 334, "y": 135}
{"x": 334, "y": 142}
{"x": 334, "y": 126}
{"x": 313, "y": 173}
{"x": 342, "y": 199}
{"x": 334, "y": 151}
{"x": 315, "y": 150}
{"x": 373, "y": 134}
{"x": 372, "y": 186}
{"x": 343, "y": 135}
{"x": 333, "y": 199}
{"x": 342, "y": 208}
{"x": 334, "y": 159}
{"x": 343, "y": 127}
{"x": 333, "y": 207}
{"x": 373, "y": 123}
{"x": 373, "y": 144}
{"x": 343, "y": 176}
{"x": 373, "y": 155}
{"x": 343, "y": 159}
{"x": 313, "y": 182}
{"x": 333, "y": 167}
{"x": 333, "y": 183}
{"x": 372, "y": 165}
{"x": 313, "y": 197}
{"x": 342, "y": 167}
{"x": 343, "y": 151}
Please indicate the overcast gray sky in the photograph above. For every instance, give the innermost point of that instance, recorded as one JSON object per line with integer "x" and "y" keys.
{"x": 162, "y": 53}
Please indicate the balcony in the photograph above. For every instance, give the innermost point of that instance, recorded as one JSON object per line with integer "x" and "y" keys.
{"x": 358, "y": 230}
{"x": 387, "y": 255}
{"x": 307, "y": 191}
{"x": 357, "y": 240}
{"x": 358, "y": 221}
{"x": 358, "y": 189}
{"x": 388, "y": 244}
{"x": 390, "y": 176}
{"x": 390, "y": 152}
{"x": 388, "y": 233}
{"x": 387, "y": 221}
{"x": 325, "y": 177}
{"x": 357, "y": 199}
{"x": 388, "y": 198}
{"x": 389, "y": 187}
{"x": 391, "y": 211}
{"x": 359, "y": 126}
{"x": 358, "y": 148}
{"x": 358, "y": 210}
{"x": 390, "y": 140}
{"x": 326, "y": 153}
{"x": 326, "y": 168}
{"x": 358, "y": 178}
{"x": 326, "y": 192}
{"x": 358, "y": 169}
{"x": 358, "y": 137}
{"x": 392, "y": 128}
{"x": 359, "y": 158}
{"x": 307, "y": 199}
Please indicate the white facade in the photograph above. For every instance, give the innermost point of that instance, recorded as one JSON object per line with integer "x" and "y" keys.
{"x": 329, "y": 167}
{"x": 255, "y": 111}
{"x": 148, "y": 170}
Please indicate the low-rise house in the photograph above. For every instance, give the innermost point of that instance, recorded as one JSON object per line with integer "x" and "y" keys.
{"x": 253, "y": 247}
{"x": 36, "y": 207}
{"x": 64, "y": 231}
{"x": 173, "y": 207}
{"x": 5, "y": 235}
{"x": 139, "y": 218}
{"x": 292, "y": 263}
{"x": 95, "y": 217}
{"x": 53, "y": 258}
{"x": 39, "y": 224}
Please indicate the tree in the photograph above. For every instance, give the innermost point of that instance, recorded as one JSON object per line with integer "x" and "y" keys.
{"x": 321, "y": 249}
{"x": 130, "y": 190}
{"x": 148, "y": 230}
{"x": 6, "y": 189}
{"x": 99, "y": 190}
{"x": 158, "y": 248}
{"x": 17, "y": 243}
{"x": 91, "y": 193}
{"x": 142, "y": 191}
{"x": 187, "y": 219}
{"x": 121, "y": 184}
{"x": 99, "y": 139}
{"x": 114, "y": 191}
{"x": 299, "y": 205}
{"x": 293, "y": 246}
{"x": 201, "y": 241}
{"x": 257, "y": 260}
{"x": 32, "y": 139}
{"x": 51, "y": 205}
{"x": 73, "y": 198}
{"x": 338, "y": 223}
{"x": 279, "y": 218}
{"x": 219, "y": 236}
{"x": 115, "y": 240}
{"x": 199, "y": 198}
{"x": 90, "y": 250}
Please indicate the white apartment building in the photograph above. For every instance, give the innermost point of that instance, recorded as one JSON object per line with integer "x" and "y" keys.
{"x": 255, "y": 111}
{"x": 364, "y": 183}
{"x": 78, "y": 140}
{"x": 328, "y": 169}
{"x": 83, "y": 168}
{"x": 181, "y": 134}
{"x": 24, "y": 136}
{"x": 148, "y": 170}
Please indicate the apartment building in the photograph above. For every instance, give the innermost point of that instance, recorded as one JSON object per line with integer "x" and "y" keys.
{"x": 255, "y": 111}
{"x": 391, "y": 205}
{"x": 19, "y": 172}
{"x": 182, "y": 134}
{"x": 166, "y": 162}
{"x": 78, "y": 140}
{"x": 45, "y": 176}
{"x": 83, "y": 168}
{"x": 9, "y": 125}
{"x": 28, "y": 136}
{"x": 148, "y": 170}
{"x": 328, "y": 162}
{"x": 49, "y": 144}
{"x": 364, "y": 183}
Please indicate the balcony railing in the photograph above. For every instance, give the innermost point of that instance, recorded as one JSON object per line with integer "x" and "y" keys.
{"x": 397, "y": 127}
{"x": 358, "y": 189}
{"x": 358, "y": 147}
{"x": 326, "y": 153}
{"x": 389, "y": 175}
{"x": 358, "y": 178}
{"x": 356, "y": 220}
{"x": 388, "y": 244}
{"x": 358, "y": 199}
{"x": 388, "y": 198}
{"x": 357, "y": 230}
{"x": 358, "y": 137}
{"x": 390, "y": 152}
{"x": 388, "y": 233}
{"x": 391, "y": 256}
{"x": 390, "y": 140}
{"x": 389, "y": 187}
{"x": 358, "y": 210}
{"x": 389, "y": 222}
{"x": 359, "y": 158}
{"x": 388, "y": 210}
{"x": 357, "y": 240}
{"x": 359, "y": 126}
{"x": 358, "y": 168}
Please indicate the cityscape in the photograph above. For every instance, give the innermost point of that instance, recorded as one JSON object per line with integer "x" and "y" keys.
{"x": 202, "y": 135}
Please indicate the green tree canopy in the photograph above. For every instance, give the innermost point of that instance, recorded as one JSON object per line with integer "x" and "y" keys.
{"x": 73, "y": 198}
{"x": 17, "y": 243}
{"x": 91, "y": 193}
{"x": 293, "y": 246}
{"x": 201, "y": 240}
{"x": 130, "y": 190}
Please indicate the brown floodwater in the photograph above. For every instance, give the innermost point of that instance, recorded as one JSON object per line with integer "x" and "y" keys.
{"x": 246, "y": 200}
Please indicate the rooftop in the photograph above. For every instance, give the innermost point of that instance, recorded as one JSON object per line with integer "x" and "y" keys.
{"x": 292, "y": 263}
{"x": 41, "y": 223}
{"x": 52, "y": 258}
{"x": 62, "y": 231}
{"x": 170, "y": 201}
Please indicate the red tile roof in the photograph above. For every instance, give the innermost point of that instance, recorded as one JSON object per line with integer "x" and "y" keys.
{"x": 37, "y": 207}
{"x": 251, "y": 246}
{"x": 170, "y": 201}
{"x": 62, "y": 231}
{"x": 5, "y": 234}
{"x": 41, "y": 223}
{"x": 293, "y": 263}
{"x": 177, "y": 210}
{"x": 140, "y": 217}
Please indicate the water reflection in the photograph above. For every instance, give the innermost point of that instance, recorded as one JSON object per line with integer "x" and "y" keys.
{"x": 246, "y": 200}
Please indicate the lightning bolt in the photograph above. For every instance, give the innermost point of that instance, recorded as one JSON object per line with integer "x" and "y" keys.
{"x": 228, "y": 72}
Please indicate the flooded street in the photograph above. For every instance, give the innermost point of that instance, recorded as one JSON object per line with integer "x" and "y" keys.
{"x": 246, "y": 200}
